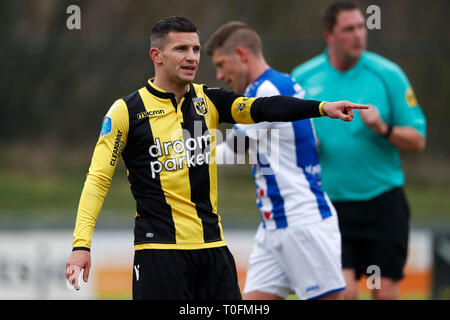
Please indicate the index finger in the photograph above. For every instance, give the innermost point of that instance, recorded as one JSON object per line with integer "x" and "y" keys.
{"x": 74, "y": 280}
{"x": 359, "y": 106}
{"x": 74, "y": 276}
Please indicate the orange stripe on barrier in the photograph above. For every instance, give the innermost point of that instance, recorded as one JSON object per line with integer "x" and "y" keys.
{"x": 117, "y": 282}
{"x": 113, "y": 282}
{"x": 415, "y": 284}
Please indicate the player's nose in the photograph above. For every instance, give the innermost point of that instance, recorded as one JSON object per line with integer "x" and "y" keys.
{"x": 220, "y": 75}
{"x": 191, "y": 55}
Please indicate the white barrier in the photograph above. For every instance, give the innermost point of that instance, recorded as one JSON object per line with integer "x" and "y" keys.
{"x": 32, "y": 263}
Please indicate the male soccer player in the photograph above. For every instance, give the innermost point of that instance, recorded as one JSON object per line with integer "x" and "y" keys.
{"x": 372, "y": 209}
{"x": 162, "y": 131}
{"x": 298, "y": 243}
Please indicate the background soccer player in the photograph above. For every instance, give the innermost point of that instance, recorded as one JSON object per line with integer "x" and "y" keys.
{"x": 298, "y": 243}
{"x": 372, "y": 208}
{"x": 180, "y": 251}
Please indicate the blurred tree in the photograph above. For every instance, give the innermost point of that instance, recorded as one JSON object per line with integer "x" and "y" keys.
{"x": 56, "y": 84}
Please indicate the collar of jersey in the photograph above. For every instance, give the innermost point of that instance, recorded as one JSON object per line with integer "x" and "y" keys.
{"x": 263, "y": 76}
{"x": 160, "y": 93}
{"x": 347, "y": 73}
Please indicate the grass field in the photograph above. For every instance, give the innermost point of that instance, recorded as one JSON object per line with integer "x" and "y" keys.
{"x": 44, "y": 184}
{"x": 53, "y": 197}
{"x": 33, "y": 198}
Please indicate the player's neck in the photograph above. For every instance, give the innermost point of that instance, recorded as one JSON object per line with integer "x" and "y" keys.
{"x": 179, "y": 90}
{"x": 256, "y": 68}
{"x": 341, "y": 62}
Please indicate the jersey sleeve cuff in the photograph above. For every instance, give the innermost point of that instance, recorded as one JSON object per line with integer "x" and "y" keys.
{"x": 81, "y": 248}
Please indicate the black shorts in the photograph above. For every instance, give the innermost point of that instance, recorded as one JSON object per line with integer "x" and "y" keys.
{"x": 375, "y": 232}
{"x": 204, "y": 274}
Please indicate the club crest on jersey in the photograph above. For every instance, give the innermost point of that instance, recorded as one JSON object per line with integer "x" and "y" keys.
{"x": 240, "y": 107}
{"x": 200, "y": 105}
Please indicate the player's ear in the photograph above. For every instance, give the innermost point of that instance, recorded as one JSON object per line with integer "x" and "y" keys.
{"x": 242, "y": 54}
{"x": 327, "y": 35}
{"x": 155, "y": 55}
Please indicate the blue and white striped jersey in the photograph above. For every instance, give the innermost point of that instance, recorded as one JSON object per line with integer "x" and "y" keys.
{"x": 287, "y": 170}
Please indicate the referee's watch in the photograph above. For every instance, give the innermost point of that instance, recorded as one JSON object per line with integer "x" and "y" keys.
{"x": 388, "y": 132}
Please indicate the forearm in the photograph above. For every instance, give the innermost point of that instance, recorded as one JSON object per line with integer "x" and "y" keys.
{"x": 284, "y": 108}
{"x": 91, "y": 201}
{"x": 407, "y": 139}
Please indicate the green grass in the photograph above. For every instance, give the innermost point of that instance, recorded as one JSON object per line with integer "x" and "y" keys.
{"x": 51, "y": 197}
{"x": 22, "y": 191}
{"x": 55, "y": 195}
{"x": 428, "y": 202}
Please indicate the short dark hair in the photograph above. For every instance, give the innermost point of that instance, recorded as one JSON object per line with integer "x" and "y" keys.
{"x": 330, "y": 15}
{"x": 170, "y": 24}
{"x": 232, "y": 34}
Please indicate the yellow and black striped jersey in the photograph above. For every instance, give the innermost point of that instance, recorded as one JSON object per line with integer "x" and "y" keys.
{"x": 168, "y": 148}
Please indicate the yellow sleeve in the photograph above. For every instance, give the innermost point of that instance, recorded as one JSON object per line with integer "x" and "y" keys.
{"x": 112, "y": 141}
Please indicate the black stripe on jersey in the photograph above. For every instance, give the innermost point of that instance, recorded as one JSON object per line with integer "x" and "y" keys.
{"x": 154, "y": 223}
{"x": 222, "y": 100}
{"x": 199, "y": 175}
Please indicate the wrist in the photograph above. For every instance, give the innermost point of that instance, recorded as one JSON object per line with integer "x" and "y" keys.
{"x": 321, "y": 111}
{"x": 388, "y": 131}
{"x": 380, "y": 127}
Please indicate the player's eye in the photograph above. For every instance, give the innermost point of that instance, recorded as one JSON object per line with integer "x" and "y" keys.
{"x": 182, "y": 48}
{"x": 348, "y": 29}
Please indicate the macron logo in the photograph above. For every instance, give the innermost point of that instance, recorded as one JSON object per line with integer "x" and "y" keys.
{"x": 148, "y": 114}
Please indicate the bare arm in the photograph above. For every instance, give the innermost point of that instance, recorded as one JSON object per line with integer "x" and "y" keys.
{"x": 405, "y": 138}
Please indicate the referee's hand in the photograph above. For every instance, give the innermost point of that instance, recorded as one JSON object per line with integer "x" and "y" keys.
{"x": 78, "y": 260}
{"x": 341, "y": 109}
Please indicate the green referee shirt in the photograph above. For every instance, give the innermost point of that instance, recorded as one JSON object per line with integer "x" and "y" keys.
{"x": 357, "y": 163}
